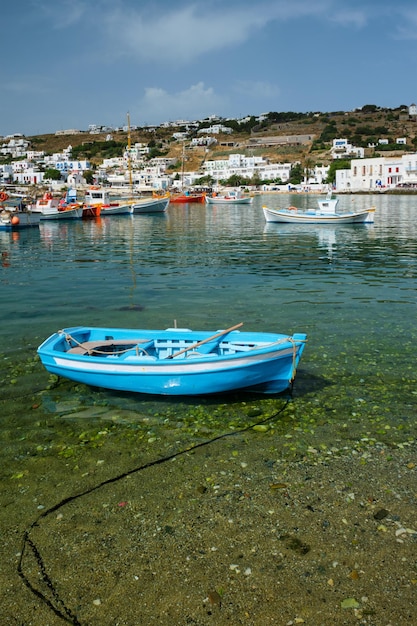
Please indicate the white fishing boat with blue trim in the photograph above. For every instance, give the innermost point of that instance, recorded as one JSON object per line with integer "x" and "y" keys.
{"x": 325, "y": 213}
{"x": 233, "y": 196}
{"x": 175, "y": 361}
{"x": 96, "y": 196}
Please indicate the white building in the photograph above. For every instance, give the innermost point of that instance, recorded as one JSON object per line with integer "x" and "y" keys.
{"x": 341, "y": 149}
{"x": 137, "y": 152}
{"x": 409, "y": 169}
{"x": 16, "y": 148}
{"x": 203, "y": 141}
{"x": 75, "y": 180}
{"x": 378, "y": 173}
{"x": 69, "y": 166}
{"x": 216, "y": 129}
{"x": 112, "y": 163}
{"x": 28, "y": 176}
{"x": 6, "y": 173}
{"x": 35, "y": 155}
{"x": 248, "y": 167}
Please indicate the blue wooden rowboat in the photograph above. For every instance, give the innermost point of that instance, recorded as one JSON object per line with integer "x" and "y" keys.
{"x": 175, "y": 361}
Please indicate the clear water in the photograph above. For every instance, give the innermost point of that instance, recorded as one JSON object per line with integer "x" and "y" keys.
{"x": 351, "y": 288}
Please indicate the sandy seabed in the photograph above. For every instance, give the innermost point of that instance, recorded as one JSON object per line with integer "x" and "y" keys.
{"x": 225, "y": 534}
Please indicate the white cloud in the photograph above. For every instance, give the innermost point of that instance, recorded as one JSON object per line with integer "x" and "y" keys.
{"x": 357, "y": 18}
{"x": 164, "y": 32}
{"x": 64, "y": 14}
{"x": 408, "y": 30}
{"x": 29, "y": 85}
{"x": 256, "y": 89}
{"x": 179, "y": 35}
{"x": 192, "y": 103}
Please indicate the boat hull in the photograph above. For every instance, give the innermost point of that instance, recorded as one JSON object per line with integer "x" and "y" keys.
{"x": 141, "y": 360}
{"x": 16, "y": 220}
{"x": 287, "y": 216}
{"x": 122, "y": 209}
{"x": 184, "y": 199}
{"x": 65, "y": 214}
{"x": 225, "y": 200}
{"x": 91, "y": 211}
{"x": 155, "y": 205}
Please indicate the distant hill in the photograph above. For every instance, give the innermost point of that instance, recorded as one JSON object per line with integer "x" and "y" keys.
{"x": 277, "y": 132}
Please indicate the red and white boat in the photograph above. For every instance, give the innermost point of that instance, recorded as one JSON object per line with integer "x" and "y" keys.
{"x": 51, "y": 208}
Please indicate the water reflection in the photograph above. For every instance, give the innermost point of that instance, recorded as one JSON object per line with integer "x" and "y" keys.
{"x": 208, "y": 266}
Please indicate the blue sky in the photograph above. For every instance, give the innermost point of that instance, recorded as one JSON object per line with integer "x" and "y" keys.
{"x": 71, "y": 63}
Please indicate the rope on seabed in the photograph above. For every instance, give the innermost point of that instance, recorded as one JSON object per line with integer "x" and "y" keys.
{"x": 61, "y": 610}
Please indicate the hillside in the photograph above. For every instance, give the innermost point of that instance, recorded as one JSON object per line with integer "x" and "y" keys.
{"x": 360, "y": 127}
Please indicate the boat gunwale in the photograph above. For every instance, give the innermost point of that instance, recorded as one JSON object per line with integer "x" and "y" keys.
{"x": 282, "y": 345}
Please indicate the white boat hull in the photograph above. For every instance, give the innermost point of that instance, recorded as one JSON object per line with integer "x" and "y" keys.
{"x": 155, "y": 205}
{"x": 122, "y": 209}
{"x": 14, "y": 220}
{"x": 225, "y": 200}
{"x": 288, "y": 216}
{"x": 67, "y": 214}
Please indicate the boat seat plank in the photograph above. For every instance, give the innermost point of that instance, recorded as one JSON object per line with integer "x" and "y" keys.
{"x": 88, "y": 346}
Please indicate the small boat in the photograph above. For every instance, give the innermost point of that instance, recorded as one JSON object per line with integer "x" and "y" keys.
{"x": 91, "y": 210}
{"x": 231, "y": 197}
{"x": 187, "y": 196}
{"x": 151, "y": 205}
{"x": 100, "y": 197}
{"x": 51, "y": 208}
{"x": 324, "y": 214}
{"x": 175, "y": 361}
{"x": 16, "y": 217}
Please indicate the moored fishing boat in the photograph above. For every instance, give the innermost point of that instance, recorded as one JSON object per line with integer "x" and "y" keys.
{"x": 231, "y": 197}
{"x": 151, "y": 205}
{"x": 175, "y": 361}
{"x": 16, "y": 217}
{"x": 51, "y": 208}
{"x": 187, "y": 196}
{"x": 99, "y": 197}
{"x": 325, "y": 214}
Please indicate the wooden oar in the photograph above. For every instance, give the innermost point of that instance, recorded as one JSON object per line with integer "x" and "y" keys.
{"x": 200, "y": 343}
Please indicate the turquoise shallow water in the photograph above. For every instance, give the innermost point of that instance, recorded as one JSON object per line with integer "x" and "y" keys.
{"x": 352, "y": 288}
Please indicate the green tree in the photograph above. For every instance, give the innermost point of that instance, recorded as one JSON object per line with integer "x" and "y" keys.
{"x": 52, "y": 174}
{"x": 89, "y": 177}
{"x": 205, "y": 180}
{"x": 296, "y": 174}
{"x": 330, "y": 132}
{"x": 236, "y": 181}
{"x": 337, "y": 164}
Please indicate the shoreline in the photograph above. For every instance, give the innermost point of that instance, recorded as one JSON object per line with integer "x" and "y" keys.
{"x": 228, "y": 534}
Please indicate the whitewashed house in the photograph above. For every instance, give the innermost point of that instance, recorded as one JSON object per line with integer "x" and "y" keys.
{"x": 341, "y": 149}
{"x": 28, "y": 176}
{"x": 377, "y": 173}
{"x": 409, "y": 169}
{"x": 6, "y": 173}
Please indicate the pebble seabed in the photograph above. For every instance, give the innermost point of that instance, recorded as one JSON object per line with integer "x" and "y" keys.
{"x": 238, "y": 510}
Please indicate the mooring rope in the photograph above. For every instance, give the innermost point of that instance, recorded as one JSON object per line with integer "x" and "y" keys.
{"x": 59, "y": 608}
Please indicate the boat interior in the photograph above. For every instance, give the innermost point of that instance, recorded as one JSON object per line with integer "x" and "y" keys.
{"x": 159, "y": 349}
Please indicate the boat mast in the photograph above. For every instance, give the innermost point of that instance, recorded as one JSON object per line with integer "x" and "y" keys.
{"x": 182, "y": 166}
{"x": 129, "y": 161}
